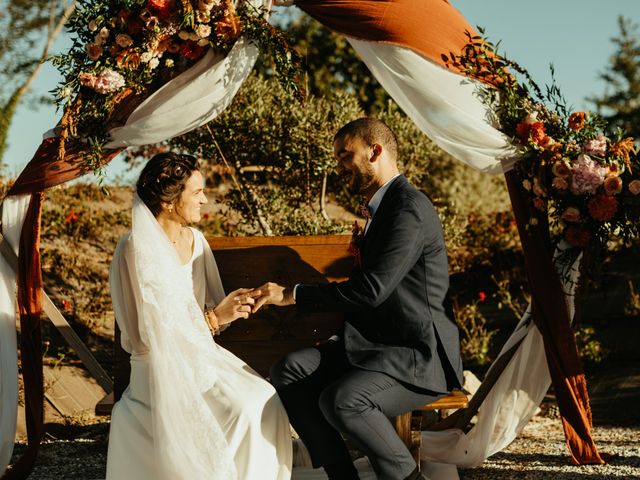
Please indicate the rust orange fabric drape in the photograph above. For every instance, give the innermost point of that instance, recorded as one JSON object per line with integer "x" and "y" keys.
{"x": 550, "y": 314}
{"x": 429, "y": 27}
{"x": 434, "y": 28}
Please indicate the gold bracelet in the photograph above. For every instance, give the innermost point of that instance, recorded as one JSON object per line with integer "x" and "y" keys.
{"x": 208, "y": 312}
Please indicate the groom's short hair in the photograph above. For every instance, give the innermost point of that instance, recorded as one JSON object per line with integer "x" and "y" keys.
{"x": 372, "y": 131}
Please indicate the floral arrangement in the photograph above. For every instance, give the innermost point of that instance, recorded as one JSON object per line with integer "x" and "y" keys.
{"x": 585, "y": 178}
{"x": 127, "y": 49}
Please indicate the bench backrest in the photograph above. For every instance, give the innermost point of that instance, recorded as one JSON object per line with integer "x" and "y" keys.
{"x": 272, "y": 332}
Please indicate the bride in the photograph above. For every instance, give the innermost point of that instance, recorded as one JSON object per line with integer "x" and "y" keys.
{"x": 192, "y": 409}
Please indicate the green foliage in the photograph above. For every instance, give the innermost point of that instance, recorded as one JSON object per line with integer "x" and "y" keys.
{"x": 589, "y": 347}
{"x": 475, "y": 339}
{"x": 632, "y": 305}
{"x": 278, "y": 151}
{"x": 620, "y": 104}
{"x": 331, "y": 64}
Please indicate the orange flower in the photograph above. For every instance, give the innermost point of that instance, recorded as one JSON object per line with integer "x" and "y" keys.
{"x": 602, "y": 207}
{"x": 191, "y": 50}
{"x": 540, "y": 204}
{"x": 612, "y": 185}
{"x": 622, "y": 149}
{"x": 71, "y": 217}
{"x": 161, "y": 8}
{"x": 577, "y": 120}
{"x": 533, "y": 132}
{"x": 229, "y": 26}
{"x": 128, "y": 59}
{"x": 94, "y": 51}
{"x": 67, "y": 305}
{"x": 561, "y": 169}
{"x": 578, "y": 236}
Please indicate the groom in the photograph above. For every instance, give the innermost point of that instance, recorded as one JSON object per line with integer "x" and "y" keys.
{"x": 399, "y": 348}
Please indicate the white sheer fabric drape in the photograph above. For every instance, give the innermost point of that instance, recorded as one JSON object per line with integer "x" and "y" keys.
{"x": 190, "y": 100}
{"x": 14, "y": 210}
{"x": 443, "y": 104}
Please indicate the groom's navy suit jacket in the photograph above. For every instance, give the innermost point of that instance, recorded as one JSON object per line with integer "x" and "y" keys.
{"x": 398, "y": 318}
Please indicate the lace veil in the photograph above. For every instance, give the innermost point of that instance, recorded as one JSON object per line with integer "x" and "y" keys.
{"x": 188, "y": 440}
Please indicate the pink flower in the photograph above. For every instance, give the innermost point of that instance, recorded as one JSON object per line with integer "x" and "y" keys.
{"x": 612, "y": 185}
{"x": 123, "y": 40}
{"x": 571, "y": 214}
{"x": 203, "y": 31}
{"x": 560, "y": 183}
{"x": 108, "y": 81}
{"x": 587, "y": 176}
{"x": 634, "y": 187}
{"x": 94, "y": 51}
{"x": 597, "y": 146}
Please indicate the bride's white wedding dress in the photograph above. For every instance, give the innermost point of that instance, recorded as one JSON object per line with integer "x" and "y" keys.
{"x": 192, "y": 410}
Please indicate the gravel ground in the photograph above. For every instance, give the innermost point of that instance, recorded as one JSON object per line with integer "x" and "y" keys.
{"x": 538, "y": 453}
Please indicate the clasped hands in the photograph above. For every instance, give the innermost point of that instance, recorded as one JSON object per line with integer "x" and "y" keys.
{"x": 245, "y": 301}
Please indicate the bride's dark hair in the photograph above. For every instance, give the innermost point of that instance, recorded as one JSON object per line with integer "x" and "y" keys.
{"x": 163, "y": 179}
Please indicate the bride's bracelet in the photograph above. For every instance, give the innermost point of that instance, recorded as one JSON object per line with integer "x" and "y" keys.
{"x": 208, "y": 313}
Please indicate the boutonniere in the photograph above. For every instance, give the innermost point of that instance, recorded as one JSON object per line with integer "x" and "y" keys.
{"x": 355, "y": 245}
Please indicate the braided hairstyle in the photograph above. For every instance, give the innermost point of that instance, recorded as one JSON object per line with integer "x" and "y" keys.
{"x": 163, "y": 179}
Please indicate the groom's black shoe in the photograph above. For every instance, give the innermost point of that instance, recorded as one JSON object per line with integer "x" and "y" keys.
{"x": 342, "y": 471}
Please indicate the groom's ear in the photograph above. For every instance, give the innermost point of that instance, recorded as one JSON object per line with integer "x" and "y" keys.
{"x": 377, "y": 151}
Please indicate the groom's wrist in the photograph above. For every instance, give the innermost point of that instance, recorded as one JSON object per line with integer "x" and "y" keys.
{"x": 289, "y": 295}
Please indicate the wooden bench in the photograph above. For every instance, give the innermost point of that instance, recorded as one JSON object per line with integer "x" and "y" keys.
{"x": 265, "y": 337}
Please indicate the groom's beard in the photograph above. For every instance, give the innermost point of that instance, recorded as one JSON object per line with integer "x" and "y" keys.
{"x": 362, "y": 181}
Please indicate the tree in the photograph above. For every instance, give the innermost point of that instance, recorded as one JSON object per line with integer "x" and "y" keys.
{"x": 23, "y": 26}
{"x": 331, "y": 64}
{"x": 620, "y": 104}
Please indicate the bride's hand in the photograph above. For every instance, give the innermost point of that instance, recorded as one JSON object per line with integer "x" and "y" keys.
{"x": 237, "y": 304}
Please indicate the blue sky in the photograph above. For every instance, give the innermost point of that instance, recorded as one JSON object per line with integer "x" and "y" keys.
{"x": 574, "y": 35}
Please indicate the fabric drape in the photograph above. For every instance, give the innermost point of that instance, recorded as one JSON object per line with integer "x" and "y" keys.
{"x": 551, "y": 317}
{"x": 13, "y": 211}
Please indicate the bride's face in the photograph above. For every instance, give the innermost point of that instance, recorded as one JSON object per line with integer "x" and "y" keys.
{"x": 192, "y": 198}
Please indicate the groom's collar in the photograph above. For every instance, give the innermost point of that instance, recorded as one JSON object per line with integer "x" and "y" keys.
{"x": 375, "y": 201}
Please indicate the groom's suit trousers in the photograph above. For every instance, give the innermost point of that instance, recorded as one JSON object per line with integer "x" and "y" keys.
{"x": 325, "y": 397}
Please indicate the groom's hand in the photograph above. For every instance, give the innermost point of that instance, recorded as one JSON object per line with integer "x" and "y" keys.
{"x": 272, "y": 294}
